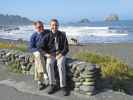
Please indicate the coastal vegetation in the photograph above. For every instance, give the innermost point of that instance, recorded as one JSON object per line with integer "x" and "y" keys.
{"x": 17, "y": 46}
{"x": 115, "y": 73}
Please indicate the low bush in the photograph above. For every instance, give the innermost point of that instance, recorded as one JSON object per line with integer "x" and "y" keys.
{"x": 115, "y": 73}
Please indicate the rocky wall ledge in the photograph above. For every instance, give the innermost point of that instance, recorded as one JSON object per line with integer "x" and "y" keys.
{"x": 82, "y": 77}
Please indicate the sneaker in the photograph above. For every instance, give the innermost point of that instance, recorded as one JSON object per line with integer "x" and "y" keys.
{"x": 64, "y": 91}
{"x": 41, "y": 86}
{"x": 51, "y": 89}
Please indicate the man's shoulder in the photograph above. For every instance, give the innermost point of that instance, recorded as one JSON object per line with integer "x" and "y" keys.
{"x": 47, "y": 31}
{"x": 34, "y": 34}
{"x": 62, "y": 32}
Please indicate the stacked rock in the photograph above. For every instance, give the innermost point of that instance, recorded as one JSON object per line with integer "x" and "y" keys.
{"x": 3, "y": 53}
{"x": 21, "y": 61}
{"x": 84, "y": 76}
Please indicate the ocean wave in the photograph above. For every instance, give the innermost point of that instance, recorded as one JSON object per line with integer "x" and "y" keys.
{"x": 83, "y": 33}
{"x": 93, "y": 31}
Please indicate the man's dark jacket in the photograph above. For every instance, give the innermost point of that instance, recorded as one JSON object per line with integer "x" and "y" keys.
{"x": 48, "y": 45}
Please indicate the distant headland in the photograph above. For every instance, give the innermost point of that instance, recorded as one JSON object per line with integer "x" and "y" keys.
{"x": 14, "y": 20}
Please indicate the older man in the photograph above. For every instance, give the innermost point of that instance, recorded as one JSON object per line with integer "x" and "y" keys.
{"x": 55, "y": 45}
{"x": 38, "y": 58}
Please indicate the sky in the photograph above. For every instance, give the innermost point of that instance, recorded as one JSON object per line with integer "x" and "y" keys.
{"x": 68, "y": 10}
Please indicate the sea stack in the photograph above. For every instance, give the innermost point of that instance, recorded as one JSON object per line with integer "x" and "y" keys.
{"x": 113, "y": 17}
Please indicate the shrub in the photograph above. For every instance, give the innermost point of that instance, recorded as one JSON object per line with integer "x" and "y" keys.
{"x": 115, "y": 73}
{"x": 110, "y": 66}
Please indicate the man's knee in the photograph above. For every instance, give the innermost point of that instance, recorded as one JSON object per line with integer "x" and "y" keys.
{"x": 50, "y": 62}
{"x": 61, "y": 61}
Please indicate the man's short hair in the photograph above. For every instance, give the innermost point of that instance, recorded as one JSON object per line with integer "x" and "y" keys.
{"x": 38, "y": 22}
{"x": 54, "y": 20}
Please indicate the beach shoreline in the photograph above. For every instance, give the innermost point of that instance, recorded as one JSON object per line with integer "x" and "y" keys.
{"x": 122, "y": 51}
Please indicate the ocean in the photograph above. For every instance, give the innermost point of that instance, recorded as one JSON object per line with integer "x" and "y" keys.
{"x": 93, "y": 32}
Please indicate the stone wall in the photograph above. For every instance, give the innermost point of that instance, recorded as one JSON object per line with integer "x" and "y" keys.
{"x": 22, "y": 61}
{"x": 82, "y": 77}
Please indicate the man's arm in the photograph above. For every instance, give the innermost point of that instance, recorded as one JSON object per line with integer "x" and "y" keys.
{"x": 65, "y": 45}
{"x": 42, "y": 45}
{"x": 32, "y": 44}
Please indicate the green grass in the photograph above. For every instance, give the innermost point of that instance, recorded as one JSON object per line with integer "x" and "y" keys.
{"x": 19, "y": 46}
{"x": 22, "y": 47}
{"x": 13, "y": 67}
{"x": 110, "y": 66}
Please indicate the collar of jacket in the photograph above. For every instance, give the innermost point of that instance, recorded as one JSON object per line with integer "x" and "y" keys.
{"x": 54, "y": 34}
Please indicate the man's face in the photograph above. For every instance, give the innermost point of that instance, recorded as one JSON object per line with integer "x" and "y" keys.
{"x": 39, "y": 27}
{"x": 54, "y": 26}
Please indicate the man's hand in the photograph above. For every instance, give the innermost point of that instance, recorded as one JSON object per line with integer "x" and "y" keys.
{"x": 48, "y": 55}
{"x": 36, "y": 54}
{"x": 58, "y": 56}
